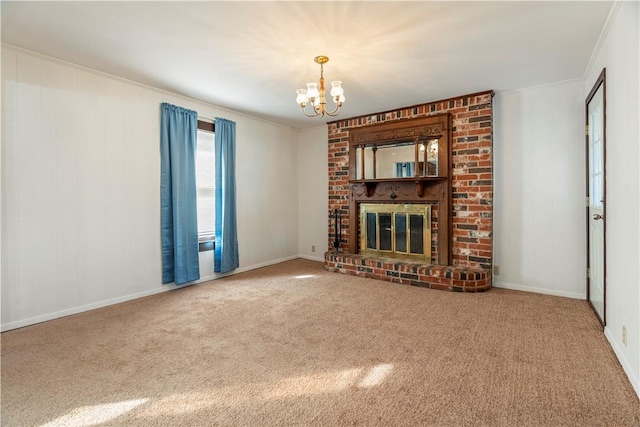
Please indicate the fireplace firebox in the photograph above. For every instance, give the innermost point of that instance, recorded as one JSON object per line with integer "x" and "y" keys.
{"x": 396, "y": 230}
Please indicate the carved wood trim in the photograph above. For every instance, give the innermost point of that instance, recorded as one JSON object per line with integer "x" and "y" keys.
{"x": 404, "y": 190}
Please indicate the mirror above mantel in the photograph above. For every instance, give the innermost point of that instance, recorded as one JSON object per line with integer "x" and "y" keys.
{"x": 417, "y": 159}
{"x": 401, "y": 159}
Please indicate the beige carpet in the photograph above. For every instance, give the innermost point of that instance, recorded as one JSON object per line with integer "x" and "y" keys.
{"x": 292, "y": 344}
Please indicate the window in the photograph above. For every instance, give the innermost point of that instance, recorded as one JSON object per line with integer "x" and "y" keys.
{"x": 205, "y": 184}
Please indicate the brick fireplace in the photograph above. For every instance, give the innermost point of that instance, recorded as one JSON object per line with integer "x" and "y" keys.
{"x": 462, "y": 221}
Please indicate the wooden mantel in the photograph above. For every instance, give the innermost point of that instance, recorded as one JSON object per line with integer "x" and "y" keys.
{"x": 417, "y": 189}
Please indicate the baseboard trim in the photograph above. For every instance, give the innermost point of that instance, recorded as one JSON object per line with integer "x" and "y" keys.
{"x": 242, "y": 270}
{"x": 544, "y": 291}
{"x": 311, "y": 258}
{"x": 83, "y": 308}
{"x": 626, "y": 366}
{"x": 100, "y": 304}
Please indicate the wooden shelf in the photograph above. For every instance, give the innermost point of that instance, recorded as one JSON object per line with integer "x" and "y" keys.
{"x": 421, "y": 182}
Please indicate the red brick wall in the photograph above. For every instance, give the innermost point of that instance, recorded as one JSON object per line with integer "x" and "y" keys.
{"x": 472, "y": 157}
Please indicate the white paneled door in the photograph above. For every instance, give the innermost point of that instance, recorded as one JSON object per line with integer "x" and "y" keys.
{"x": 595, "y": 137}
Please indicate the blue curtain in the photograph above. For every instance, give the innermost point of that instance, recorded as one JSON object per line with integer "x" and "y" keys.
{"x": 409, "y": 171}
{"x": 404, "y": 169}
{"x": 178, "y": 133}
{"x": 226, "y": 246}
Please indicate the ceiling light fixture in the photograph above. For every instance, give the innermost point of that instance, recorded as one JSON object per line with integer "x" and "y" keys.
{"x": 317, "y": 97}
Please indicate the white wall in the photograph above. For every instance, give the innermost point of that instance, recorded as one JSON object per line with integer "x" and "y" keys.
{"x": 81, "y": 189}
{"x": 313, "y": 182}
{"x": 539, "y": 189}
{"x": 618, "y": 50}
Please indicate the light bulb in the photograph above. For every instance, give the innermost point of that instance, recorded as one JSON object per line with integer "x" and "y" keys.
{"x": 312, "y": 90}
{"x": 302, "y": 97}
{"x": 336, "y": 88}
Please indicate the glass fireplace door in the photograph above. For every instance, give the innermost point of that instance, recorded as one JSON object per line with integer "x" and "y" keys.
{"x": 396, "y": 230}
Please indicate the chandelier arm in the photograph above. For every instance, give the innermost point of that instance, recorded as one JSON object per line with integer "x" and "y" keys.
{"x": 320, "y": 108}
{"x": 336, "y": 110}
{"x": 304, "y": 110}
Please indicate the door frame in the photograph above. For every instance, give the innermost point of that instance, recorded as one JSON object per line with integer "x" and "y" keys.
{"x": 600, "y": 81}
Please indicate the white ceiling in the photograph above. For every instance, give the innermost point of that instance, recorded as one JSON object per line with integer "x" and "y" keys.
{"x": 252, "y": 56}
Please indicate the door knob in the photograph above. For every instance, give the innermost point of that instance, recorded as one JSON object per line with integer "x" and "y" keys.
{"x": 597, "y": 217}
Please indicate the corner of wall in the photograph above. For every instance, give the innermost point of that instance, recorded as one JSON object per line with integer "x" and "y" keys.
{"x": 603, "y": 36}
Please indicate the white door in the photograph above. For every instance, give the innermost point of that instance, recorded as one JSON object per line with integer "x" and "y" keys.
{"x": 596, "y": 197}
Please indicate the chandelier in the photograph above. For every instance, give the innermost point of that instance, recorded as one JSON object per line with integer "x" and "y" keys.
{"x": 316, "y": 95}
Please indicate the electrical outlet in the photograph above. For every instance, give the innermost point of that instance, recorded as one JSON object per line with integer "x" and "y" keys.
{"x": 496, "y": 270}
{"x": 313, "y": 248}
{"x": 624, "y": 335}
